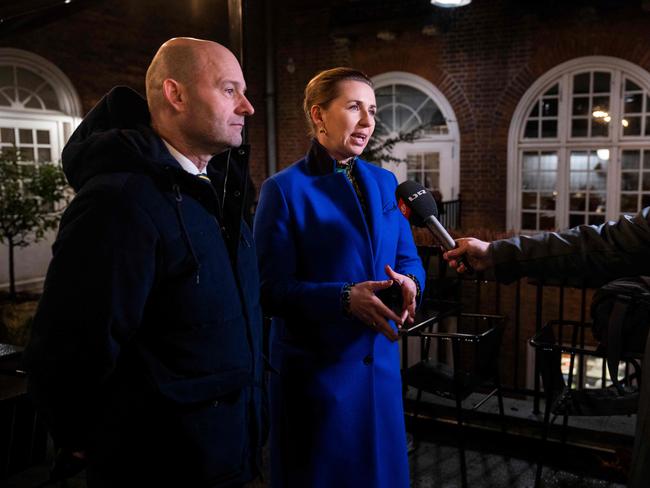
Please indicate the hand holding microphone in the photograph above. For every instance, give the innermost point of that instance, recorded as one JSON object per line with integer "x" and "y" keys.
{"x": 417, "y": 204}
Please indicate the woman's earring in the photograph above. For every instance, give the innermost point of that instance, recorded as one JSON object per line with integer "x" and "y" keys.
{"x": 322, "y": 130}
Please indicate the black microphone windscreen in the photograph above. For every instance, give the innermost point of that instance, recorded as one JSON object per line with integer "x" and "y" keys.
{"x": 415, "y": 202}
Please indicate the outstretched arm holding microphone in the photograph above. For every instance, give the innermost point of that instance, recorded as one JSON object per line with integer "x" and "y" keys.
{"x": 591, "y": 255}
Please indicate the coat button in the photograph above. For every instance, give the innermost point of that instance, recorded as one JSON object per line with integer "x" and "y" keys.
{"x": 237, "y": 193}
{"x": 241, "y": 152}
{"x": 368, "y": 360}
{"x": 215, "y": 403}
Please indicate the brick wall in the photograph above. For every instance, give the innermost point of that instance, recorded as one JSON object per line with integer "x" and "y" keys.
{"x": 483, "y": 59}
{"x": 111, "y": 43}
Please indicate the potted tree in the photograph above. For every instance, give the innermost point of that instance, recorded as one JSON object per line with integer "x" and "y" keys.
{"x": 32, "y": 197}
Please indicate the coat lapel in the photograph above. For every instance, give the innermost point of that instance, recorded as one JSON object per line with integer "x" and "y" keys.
{"x": 337, "y": 189}
{"x": 374, "y": 203}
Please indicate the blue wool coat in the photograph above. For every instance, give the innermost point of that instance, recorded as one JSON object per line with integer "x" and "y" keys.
{"x": 336, "y": 405}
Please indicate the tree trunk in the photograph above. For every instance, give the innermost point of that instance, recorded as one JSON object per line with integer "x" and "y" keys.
{"x": 12, "y": 274}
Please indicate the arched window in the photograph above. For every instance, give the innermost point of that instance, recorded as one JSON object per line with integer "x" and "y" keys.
{"x": 408, "y": 103}
{"x": 579, "y": 146}
{"x": 39, "y": 107}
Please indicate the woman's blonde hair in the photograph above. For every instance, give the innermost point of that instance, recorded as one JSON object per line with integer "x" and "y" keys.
{"x": 323, "y": 88}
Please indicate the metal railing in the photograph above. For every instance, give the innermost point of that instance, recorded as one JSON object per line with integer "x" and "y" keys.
{"x": 449, "y": 213}
{"x": 527, "y": 305}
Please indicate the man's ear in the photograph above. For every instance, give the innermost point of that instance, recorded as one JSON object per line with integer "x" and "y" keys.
{"x": 174, "y": 93}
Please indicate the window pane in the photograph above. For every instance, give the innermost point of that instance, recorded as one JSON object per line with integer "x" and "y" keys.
{"x": 596, "y": 219}
{"x": 599, "y": 128}
{"x": 629, "y": 203}
{"x": 552, "y": 91}
{"x": 530, "y": 161}
{"x": 49, "y": 98}
{"x": 578, "y": 181}
{"x": 580, "y": 106}
{"x": 629, "y": 181}
{"x": 529, "y": 181}
{"x": 33, "y": 102}
{"x": 601, "y": 82}
{"x": 44, "y": 155}
{"x": 631, "y": 86}
{"x": 6, "y": 76}
{"x": 597, "y": 202}
{"x": 647, "y": 126}
{"x": 26, "y": 154}
{"x": 646, "y": 181}
{"x": 28, "y": 79}
{"x": 410, "y": 96}
{"x": 547, "y": 180}
{"x": 43, "y": 136}
{"x": 547, "y": 201}
{"x": 529, "y": 200}
{"x": 528, "y": 220}
{"x": 546, "y": 221}
{"x": 576, "y": 219}
{"x": 534, "y": 112}
{"x": 431, "y": 161}
{"x": 577, "y": 201}
{"x": 531, "y": 129}
{"x": 601, "y": 103}
{"x": 549, "y": 107}
{"x": 645, "y": 201}
{"x": 549, "y": 128}
{"x": 7, "y": 134}
{"x": 598, "y": 180}
{"x": 25, "y": 136}
{"x": 579, "y": 128}
{"x": 548, "y": 161}
{"x": 403, "y": 114}
{"x": 634, "y": 103}
{"x": 581, "y": 83}
{"x": 630, "y": 159}
{"x": 632, "y": 126}
{"x": 579, "y": 160}
{"x": 5, "y": 97}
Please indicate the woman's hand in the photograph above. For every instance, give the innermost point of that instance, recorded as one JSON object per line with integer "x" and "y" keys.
{"x": 368, "y": 308}
{"x": 409, "y": 294}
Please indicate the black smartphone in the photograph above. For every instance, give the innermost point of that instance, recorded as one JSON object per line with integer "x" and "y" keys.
{"x": 392, "y": 297}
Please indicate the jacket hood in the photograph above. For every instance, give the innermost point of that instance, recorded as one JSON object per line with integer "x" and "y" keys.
{"x": 115, "y": 136}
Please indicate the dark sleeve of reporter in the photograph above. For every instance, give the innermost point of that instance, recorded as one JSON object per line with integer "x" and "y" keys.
{"x": 584, "y": 255}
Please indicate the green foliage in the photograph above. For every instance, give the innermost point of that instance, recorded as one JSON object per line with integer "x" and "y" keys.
{"x": 29, "y": 195}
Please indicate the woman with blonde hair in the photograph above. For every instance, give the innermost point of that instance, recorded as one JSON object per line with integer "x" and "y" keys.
{"x": 330, "y": 238}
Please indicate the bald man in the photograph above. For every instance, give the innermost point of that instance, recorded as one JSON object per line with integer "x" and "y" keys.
{"x": 145, "y": 354}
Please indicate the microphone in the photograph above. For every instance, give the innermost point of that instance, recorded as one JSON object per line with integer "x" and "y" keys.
{"x": 417, "y": 204}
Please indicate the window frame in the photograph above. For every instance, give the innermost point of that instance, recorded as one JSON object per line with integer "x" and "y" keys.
{"x": 564, "y": 143}
{"x": 429, "y": 142}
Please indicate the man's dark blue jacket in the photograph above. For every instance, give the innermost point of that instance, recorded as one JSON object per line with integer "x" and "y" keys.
{"x": 146, "y": 345}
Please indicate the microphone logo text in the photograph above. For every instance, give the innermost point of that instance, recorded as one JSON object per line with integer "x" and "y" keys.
{"x": 417, "y": 194}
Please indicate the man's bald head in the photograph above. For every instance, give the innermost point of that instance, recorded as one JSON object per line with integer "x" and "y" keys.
{"x": 197, "y": 97}
{"x": 181, "y": 59}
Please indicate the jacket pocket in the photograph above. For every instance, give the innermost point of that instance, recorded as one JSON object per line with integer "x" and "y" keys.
{"x": 212, "y": 439}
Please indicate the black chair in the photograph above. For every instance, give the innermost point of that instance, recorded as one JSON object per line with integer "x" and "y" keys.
{"x": 563, "y": 396}
{"x": 473, "y": 363}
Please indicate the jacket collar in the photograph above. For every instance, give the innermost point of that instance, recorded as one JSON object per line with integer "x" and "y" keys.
{"x": 319, "y": 160}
